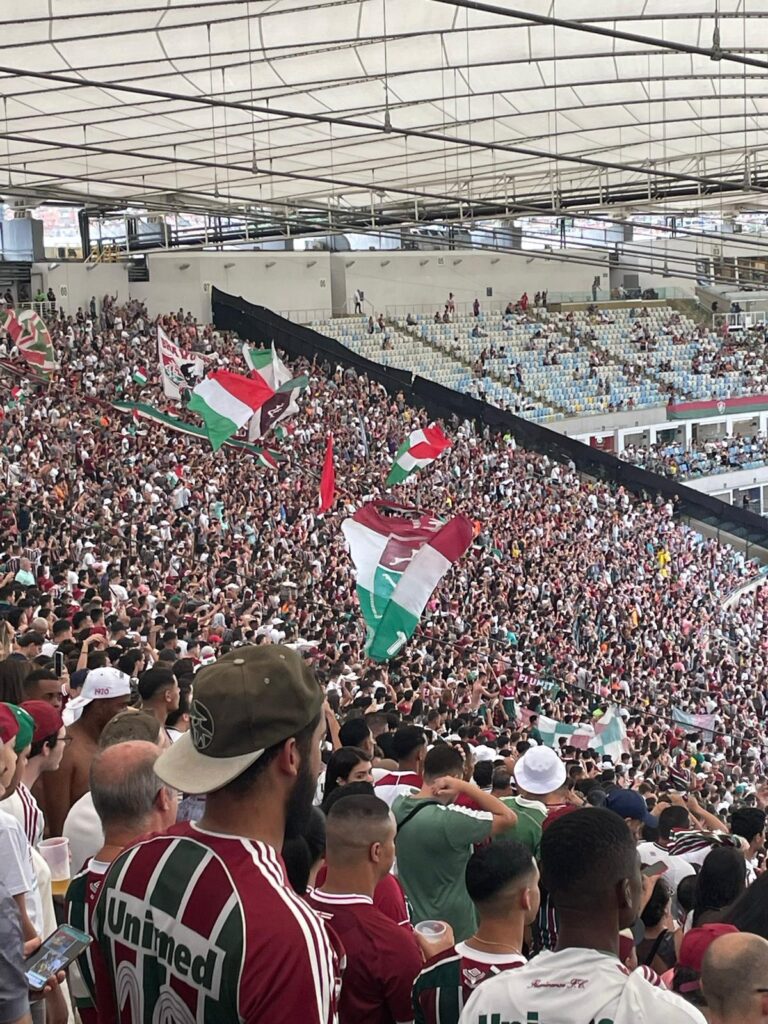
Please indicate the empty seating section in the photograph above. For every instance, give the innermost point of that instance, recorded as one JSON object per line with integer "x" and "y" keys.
{"x": 550, "y": 365}
{"x": 410, "y": 348}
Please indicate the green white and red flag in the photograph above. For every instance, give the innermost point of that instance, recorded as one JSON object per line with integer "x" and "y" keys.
{"x": 419, "y": 449}
{"x": 400, "y": 555}
{"x": 226, "y": 401}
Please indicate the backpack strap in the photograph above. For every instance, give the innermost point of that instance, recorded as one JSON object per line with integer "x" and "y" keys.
{"x": 412, "y": 814}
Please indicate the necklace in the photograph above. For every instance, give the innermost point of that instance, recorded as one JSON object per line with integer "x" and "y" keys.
{"x": 500, "y": 945}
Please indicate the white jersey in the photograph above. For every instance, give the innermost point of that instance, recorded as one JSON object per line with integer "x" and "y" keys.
{"x": 678, "y": 868}
{"x": 576, "y": 986}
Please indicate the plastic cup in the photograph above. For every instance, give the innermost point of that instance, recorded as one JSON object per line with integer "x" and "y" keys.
{"x": 431, "y": 930}
{"x": 55, "y": 853}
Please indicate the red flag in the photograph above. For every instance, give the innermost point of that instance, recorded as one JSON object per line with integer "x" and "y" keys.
{"x": 328, "y": 479}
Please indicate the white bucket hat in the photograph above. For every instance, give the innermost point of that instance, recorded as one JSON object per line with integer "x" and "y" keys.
{"x": 540, "y": 771}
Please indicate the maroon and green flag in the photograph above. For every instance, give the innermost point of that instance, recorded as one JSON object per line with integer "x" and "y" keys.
{"x": 716, "y": 407}
{"x": 29, "y": 334}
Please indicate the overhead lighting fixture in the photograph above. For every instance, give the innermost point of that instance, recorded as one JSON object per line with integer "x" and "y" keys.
{"x": 52, "y": 266}
{"x": 228, "y": 266}
{"x": 423, "y": 263}
{"x": 311, "y": 263}
{"x": 184, "y": 266}
{"x": 269, "y": 263}
{"x": 349, "y": 263}
{"x": 456, "y": 262}
{"x": 495, "y": 260}
{"x": 385, "y": 263}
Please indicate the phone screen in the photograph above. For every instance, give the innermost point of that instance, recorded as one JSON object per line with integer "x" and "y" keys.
{"x": 58, "y": 663}
{"x": 56, "y": 953}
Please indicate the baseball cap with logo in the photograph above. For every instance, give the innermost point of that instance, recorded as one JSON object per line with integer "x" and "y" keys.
{"x": 100, "y": 684}
{"x": 249, "y": 700}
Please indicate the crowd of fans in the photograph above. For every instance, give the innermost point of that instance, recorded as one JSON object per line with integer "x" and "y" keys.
{"x": 138, "y": 568}
{"x": 699, "y": 458}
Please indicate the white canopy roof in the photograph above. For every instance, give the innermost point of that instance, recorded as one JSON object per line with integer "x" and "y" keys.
{"x": 401, "y": 103}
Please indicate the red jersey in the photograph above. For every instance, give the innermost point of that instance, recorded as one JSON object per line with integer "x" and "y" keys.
{"x": 388, "y": 897}
{"x": 394, "y": 784}
{"x": 200, "y": 928}
{"x": 382, "y": 959}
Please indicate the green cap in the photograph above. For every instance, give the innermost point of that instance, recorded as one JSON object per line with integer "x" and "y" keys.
{"x": 247, "y": 701}
{"x": 26, "y": 727}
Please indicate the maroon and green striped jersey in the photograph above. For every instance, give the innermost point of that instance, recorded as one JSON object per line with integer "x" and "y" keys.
{"x": 193, "y": 927}
{"x": 79, "y": 901}
{"x": 448, "y": 980}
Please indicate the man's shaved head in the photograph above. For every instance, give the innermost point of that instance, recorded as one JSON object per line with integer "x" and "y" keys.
{"x": 734, "y": 969}
{"x": 353, "y": 825}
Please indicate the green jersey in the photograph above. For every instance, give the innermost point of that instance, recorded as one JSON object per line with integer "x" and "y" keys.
{"x": 433, "y": 848}
{"x": 530, "y": 815}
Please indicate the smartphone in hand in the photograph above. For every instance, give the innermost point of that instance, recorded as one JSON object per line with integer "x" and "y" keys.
{"x": 54, "y": 955}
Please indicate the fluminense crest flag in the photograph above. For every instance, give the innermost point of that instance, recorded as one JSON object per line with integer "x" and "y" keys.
{"x": 400, "y": 555}
{"x": 29, "y": 334}
{"x": 226, "y": 401}
{"x": 266, "y": 363}
{"x": 177, "y": 371}
{"x": 419, "y": 449}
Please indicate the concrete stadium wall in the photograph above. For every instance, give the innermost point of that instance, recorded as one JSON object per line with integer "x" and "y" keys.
{"x": 424, "y": 279}
{"x": 75, "y": 283}
{"x": 318, "y": 283}
{"x": 281, "y": 281}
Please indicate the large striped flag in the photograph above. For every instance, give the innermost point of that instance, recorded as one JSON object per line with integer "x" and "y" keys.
{"x": 226, "y": 401}
{"x": 418, "y": 449}
{"x": 265, "y": 363}
{"x": 606, "y": 735}
{"x": 400, "y": 555}
{"x": 30, "y": 335}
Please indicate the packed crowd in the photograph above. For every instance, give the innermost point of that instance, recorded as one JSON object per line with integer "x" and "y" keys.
{"x": 139, "y": 568}
{"x": 700, "y": 458}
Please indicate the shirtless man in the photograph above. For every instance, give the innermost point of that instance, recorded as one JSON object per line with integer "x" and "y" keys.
{"x": 105, "y": 692}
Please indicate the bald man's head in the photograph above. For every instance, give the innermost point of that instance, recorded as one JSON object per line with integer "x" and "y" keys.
{"x": 734, "y": 979}
{"x": 124, "y": 784}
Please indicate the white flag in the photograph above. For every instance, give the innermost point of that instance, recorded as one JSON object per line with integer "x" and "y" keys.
{"x": 177, "y": 371}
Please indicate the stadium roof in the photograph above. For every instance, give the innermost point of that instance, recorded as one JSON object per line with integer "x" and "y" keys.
{"x": 415, "y": 107}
